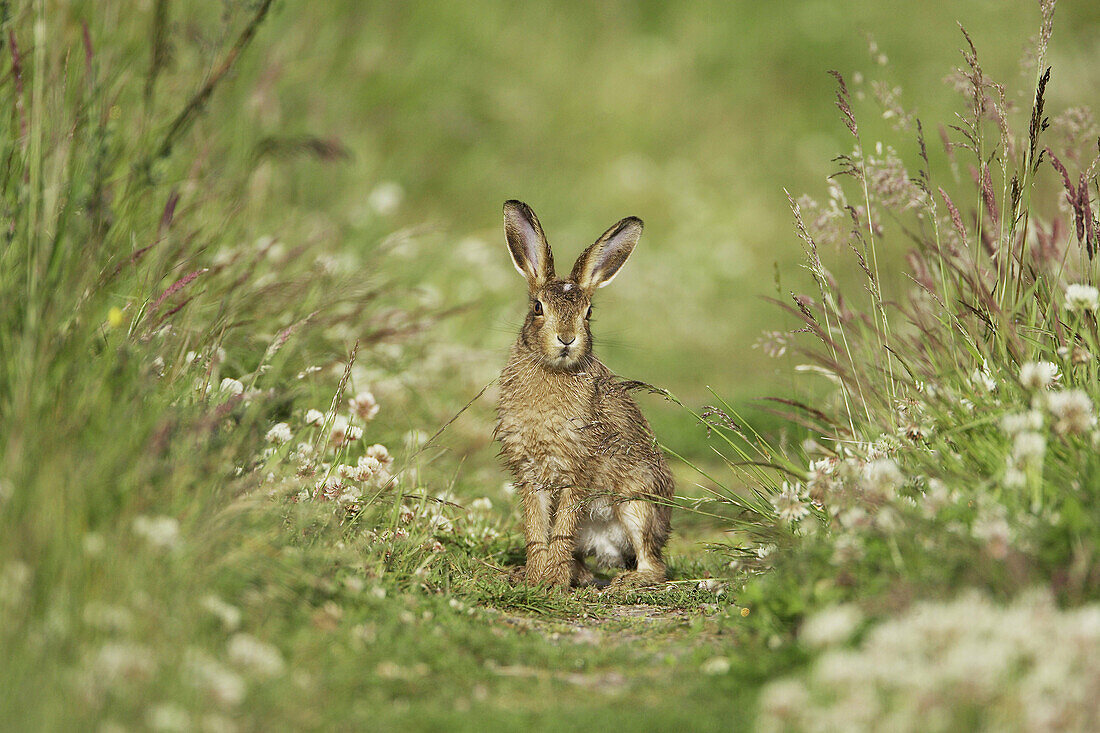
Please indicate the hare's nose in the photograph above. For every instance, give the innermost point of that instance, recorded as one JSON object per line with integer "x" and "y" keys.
{"x": 564, "y": 342}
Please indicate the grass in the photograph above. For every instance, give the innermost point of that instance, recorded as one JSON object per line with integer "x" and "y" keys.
{"x": 205, "y": 246}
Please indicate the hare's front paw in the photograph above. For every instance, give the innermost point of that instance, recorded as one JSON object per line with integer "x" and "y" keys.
{"x": 560, "y": 575}
{"x": 632, "y": 579}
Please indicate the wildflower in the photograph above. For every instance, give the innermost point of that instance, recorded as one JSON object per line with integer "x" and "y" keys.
{"x": 212, "y": 677}
{"x": 1082, "y": 298}
{"x": 168, "y": 718}
{"x": 440, "y": 523}
{"x": 712, "y": 585}
{"x": 328, "y": 488}
{"x": 1019, "y": 422}
{"x": 784, "y": 700}
{"x": 481, "y": 505}
{"x": 1028, "y": 447}
{"x": 715, "y": 666}
{"x": 882, "y": 476}
{"x": 1072, "y": 411}
{"x": 258, "y": 656}
{"x": 364, "y": 406}
{"x": 745, "y": 612}
{"x": 833, "y": 625}
{"x": 119, "y": 661}
{"x": 789, "y": 505}
{"x": 114, "y": 317}
{"x": 160, "y": 532}
{"x": 231, "y": 386}
{"x": 315, "y": 418}
{"x": 983, "y": 380}
{"x": 1014, "y": 478}
{"x": 279, "y": 433}
{"x": 344, "y": 432}
{"x": 1036, "y": 375}
{"x": 386, "y": 197}
{"x": 229, "y": 615}
{"x": 991, "y": 528}
{"x": 107, "y": 617}
{"x": 367, "y": 467}
{"x": 94, "y": 544}
{"x": 416, "y": 438}
{"x": 381, "y": 454}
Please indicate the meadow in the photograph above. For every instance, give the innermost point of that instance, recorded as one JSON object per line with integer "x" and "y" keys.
{"x": 254, "y": 295}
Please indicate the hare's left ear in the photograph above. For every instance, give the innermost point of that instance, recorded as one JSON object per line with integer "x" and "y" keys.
{"x": 598, "y": 265}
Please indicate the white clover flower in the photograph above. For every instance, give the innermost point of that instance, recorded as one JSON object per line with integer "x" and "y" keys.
{"x": 440, "y": 523}
{"x": 1072, "y": 411}
{"x": 257, "y": 656}
{"x": 168, "y": 718}
{"x": 1022, "y": 421}
{"x": 108, "y": 617}
{"x": 715, "y": 666}
{"x": 231, "y": 386}
{"x": 992, "y": 528}
{"x": 783, "y": 702}
{"x": 279, "y": 434}
{"x": 315, "y": 418}
{"x": 340, "y": 428}
{"x": 983, "y": 380}
{"x": 882, "y": 476}
{"x": 1081, "y": 297}
{"x": 381, "y": 454}
{"x": 366, "y": 468}
{"x": 386, "y": 197}
{"x": 118, "y": 661}
{"x": 416, "y": 438}
{"x": 789, "y": 505}
{"x": 1028, "y": 447}
{"x": 481, "y": 505}
{"x": 224, "y": 685}
{"x": 94, "y": 544}
{"x": 329, "y": 488}
{"x": 833, "y": 625}
{"x": 1036, "y": 375}
{"x": 228, "y": 614}
{"x": 161, "y": 532}
{"x": 1014, "y": 478}
{"x": 364, "y": 406}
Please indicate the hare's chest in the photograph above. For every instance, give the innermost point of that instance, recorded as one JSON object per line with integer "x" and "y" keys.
{"x": 543, "y": 443}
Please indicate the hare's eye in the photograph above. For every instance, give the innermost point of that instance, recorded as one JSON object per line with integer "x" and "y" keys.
{"x": 538, "y": 308}
{"x": 588, "y": 314}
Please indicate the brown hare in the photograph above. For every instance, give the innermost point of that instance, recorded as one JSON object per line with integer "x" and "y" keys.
{"x": 585, "y": 462}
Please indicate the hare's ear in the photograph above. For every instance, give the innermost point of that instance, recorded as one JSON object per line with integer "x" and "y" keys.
{"x": 598, "y": 265}
{"x": 527, "y": 244}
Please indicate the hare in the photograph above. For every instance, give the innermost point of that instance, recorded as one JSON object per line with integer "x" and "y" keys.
{"x": 584, "y": 459}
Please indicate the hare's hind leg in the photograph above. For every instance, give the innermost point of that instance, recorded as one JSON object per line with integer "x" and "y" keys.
{"x": 639, "y": 520}
{"x": 582, "y": 576}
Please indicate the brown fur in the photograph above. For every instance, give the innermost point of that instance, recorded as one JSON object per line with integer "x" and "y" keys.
{"x": 583, "y": 456}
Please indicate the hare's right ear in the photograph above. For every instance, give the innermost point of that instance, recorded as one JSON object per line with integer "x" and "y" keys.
{"x": 527, "y": 244}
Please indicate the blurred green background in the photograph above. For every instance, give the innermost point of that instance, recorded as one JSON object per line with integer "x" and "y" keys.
{"x": 693, "y": 116}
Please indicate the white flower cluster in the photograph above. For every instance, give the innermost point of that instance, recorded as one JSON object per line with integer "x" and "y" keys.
{"x": 161, "y": 532}
{"x": 1080, "y": 298}
{"x": 789, "y": 504}
{"x": 966, "y": 664}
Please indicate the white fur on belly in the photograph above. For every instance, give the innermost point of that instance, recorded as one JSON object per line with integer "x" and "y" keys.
{"x": 600, "y": 533}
